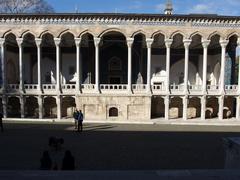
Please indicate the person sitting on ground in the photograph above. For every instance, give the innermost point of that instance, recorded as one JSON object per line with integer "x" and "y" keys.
{"x": 46, "y": 162}
{"x": 68, "y": 162}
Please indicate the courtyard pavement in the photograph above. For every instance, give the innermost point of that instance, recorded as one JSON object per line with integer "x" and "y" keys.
{"x": 117, "y": 146}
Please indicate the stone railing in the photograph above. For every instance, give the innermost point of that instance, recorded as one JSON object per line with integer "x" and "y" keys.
{"x": 176, "y": 88}
{"x": 30, "y": 87}
{"x": 212, "y": 88}
{"x": 86, "y": 88}
{"x": 13, "y": 87}
{"x": 68, "y": 87}
{"x": 231, "y": 88}
{"x": 195, "y": 88}
{"x": 139, "y": 87}
{"x": 49, "y": 87}
{"x": 113, "y": 87}
{"x": 158, "y": 88}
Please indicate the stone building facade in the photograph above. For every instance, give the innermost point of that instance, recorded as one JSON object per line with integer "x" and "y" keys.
{"x": 125, "y": 67}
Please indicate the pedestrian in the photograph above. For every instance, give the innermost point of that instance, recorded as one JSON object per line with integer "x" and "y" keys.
{"x": 80, "y": 121}
{"x": 75, "y": 116}
{"x": 68, "y": 162}
{"x": 46, "y": 162}
{"x": 1, "y": 122}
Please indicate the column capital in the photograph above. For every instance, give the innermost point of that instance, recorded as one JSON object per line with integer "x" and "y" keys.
{"x": 38, "y": 42}
{"x": 78, "y": 41}
{"x": 223, "y": 43}
{"x": 97, "y": 41}
{"x": 149, "y": 42}
{"x": 205, "y": 43}
{"x": 168, "y": 42}
{"x": 2, "y": 41}
{"x": 130, "y": 42}
{"x": 57, "y": 41}
{"x": 19, "y": 41}
{"x": 187, "y": 42}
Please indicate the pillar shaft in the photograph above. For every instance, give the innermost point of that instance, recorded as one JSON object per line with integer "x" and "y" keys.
{"x": 221, "y": 105}
{"x": 168, "y": 43}
{"x": 205, "y": 44}
{"x": 149, "y": 62}
{"x": 21, "y": 81}
{"x": 238, "y": 108}
{"x": 166, "y": 102}
{"x": 57, "y": 43}
{"x": 22, "y": 106}
{"x": 187, "y": 43}
{"x": 2, "y": 46}
{"x": 129, "y": 43}
{"x": 203, "y": 107}
{"x": 96, "y": 42}
{"x": 185, "y": 108}
{"x": 59, "y": 107}
{"x": 38, "y": 43}
{"x": 223, "y": 60}
{"x": 40, "y": 107}
{"x": 78, "y": 83}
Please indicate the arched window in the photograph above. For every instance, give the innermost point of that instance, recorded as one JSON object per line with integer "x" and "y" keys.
{"x": 113, "y": 112}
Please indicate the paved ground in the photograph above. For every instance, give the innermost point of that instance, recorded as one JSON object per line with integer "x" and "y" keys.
{"x": 118, "y": 147}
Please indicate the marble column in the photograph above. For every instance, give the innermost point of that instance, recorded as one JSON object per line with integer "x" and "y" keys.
{"x": 205, "y": 44}
{"x": 224, "y": 44}
{"x": 203, "y": 107}
{"x": 22, "y": 106}
{"x": 238, "y": 108}
{"x": 59, "y": 107}
{"x": 3, "y": 64}
{"x": 38, "y": 43}
{"x": 57, "y": 44}
{"x": 96, "y": 43}
{"x": 20, "y": 48}
{"x": 149, "y": 62}
{"x": 220, "y": 107}
{"x": 78, "y": 83}
{"x": 129, "y": 44}
{"x": 167, "y": 102}
{"x": 168, "y": 43}
{"x": 40, "y": 107}
{"x": 185, "y": 107}
{"x": 187, "y": 43}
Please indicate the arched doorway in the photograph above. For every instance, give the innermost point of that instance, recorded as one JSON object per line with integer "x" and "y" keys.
{"x": 14, "y": 107}
{"x": 68, "y": 106}
{"x": 176, "y": 108}
{"x": 157, "y": 107}
{"x": 31, "y": 107}
{"x": 50, "y": 107}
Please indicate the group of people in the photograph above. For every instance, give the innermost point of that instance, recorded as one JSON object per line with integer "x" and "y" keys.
{"x": 55, "y": 158}
{"x": 78, "y": 117}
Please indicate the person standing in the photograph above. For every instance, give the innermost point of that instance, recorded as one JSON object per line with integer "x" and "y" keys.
{"x": 68, "y": 162}
{"x": 80, "y": 121}
{"x": 1, "y": 122}
{"x": 75, "y": 116}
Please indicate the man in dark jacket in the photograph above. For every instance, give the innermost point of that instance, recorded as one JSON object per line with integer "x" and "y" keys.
{"x": 80, "y": 121}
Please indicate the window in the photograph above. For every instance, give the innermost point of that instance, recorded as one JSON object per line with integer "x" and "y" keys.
{"x": 113, "y": 112}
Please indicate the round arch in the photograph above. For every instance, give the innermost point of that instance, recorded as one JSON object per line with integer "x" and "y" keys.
{"x": 195, "y": 34}
{"x": 158, "y": 33}
{"x": 86, "y": 32}
{"x": 176, "y": 33}
{"x": 139, "y": 32}
{"x": 103, "y": 33}
{"x": 214, "y": 34}
{"x": 66, "y": 31}
{"x": 23, "y": 34}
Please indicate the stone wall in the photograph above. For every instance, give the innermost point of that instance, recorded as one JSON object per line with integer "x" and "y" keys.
{"x": 137, "y": 108}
